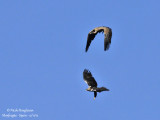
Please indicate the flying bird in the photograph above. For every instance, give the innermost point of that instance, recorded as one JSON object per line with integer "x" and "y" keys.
{"x": 107, "y": 36}
{"x": 89, "y": 79}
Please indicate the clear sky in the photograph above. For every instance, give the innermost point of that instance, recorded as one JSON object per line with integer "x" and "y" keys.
{"x": 42, "y": 58}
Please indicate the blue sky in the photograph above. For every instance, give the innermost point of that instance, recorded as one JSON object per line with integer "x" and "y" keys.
{"x": 42, "y": 58}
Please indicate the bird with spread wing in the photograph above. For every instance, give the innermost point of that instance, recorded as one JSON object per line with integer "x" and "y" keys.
{"x": 89, "y": 79}
{"x": 107, "y": 36}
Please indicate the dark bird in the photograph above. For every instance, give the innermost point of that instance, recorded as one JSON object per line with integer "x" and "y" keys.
{"x": 89, "y": 79}
{"x": 107, "y": 36}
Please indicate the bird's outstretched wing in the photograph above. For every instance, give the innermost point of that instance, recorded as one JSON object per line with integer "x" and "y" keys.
{"x": 89, "y": 79}
{"x": 107, "y": 37}
{"x": 90, "y": 37}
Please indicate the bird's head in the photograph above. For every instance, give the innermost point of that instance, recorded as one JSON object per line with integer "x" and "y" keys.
{"x": 92, "y": 89}
{"x": 92, "y": 32}
{"x": 88, "y": 89}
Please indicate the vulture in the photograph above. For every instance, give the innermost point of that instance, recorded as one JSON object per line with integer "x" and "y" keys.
{"x": 89, "y": 79}
{"x": 107, "y": 36}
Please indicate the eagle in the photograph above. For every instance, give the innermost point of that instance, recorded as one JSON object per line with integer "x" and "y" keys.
{"x": 89, "y": 79}
{"x": 107, "y": 36}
